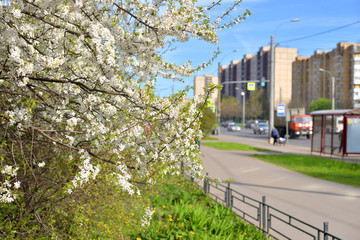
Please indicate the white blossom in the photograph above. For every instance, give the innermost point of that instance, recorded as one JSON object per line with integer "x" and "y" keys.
{"x": 9, "y": 170}
{"x": 5, "y": 195}
{"x": 17, "y": 13}
{"x": 145, "y": 221}
{"x": 41, "y": 164}
{"x": 87, "y": 172}
{"x": 15, "y": 53}
{"x": 123, "y": 177}
{"x": 17, "y": 185}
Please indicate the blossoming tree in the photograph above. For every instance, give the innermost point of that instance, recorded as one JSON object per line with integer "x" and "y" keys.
{"x": 77, "y": 93}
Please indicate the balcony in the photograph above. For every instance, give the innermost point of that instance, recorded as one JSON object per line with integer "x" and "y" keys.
{"x": 338, "y": 57}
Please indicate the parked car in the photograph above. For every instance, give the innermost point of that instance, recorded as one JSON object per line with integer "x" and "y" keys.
{"x": 261, "y": 128}
{"x": 248, "y": 124}
{"x": 262, "y": 121}
{"x": 233, "y": 127}
{"x": 227, "y": 123}
{"x": 253, "y": 123}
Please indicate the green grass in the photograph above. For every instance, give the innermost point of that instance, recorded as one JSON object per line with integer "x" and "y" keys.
{"x": 210, "y": 138}
{"x": 233, "y": 146}
{"x": 323, "y": 168}
{"x": 184, "y": 212}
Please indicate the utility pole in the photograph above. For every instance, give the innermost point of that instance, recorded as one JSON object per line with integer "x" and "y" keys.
{"x": 272, "y": 86}
{"x": 272, "y": 77}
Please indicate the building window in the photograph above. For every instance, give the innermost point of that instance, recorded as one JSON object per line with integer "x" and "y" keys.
{"x": 208, "y": 81}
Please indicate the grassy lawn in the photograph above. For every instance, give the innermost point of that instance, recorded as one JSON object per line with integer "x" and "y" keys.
{"x": 210, "y": 138}
{"x": 327, "y": 169}
{"x": 184, "y": 212}
{"x": 323, "y": 168}
{"x": 233, "y": 146}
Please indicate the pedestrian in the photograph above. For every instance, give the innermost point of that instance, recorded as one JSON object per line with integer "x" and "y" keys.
{"x": 275, "y": 134}
{"x": 341, "y": 140}
{"x": 198, "y": 137}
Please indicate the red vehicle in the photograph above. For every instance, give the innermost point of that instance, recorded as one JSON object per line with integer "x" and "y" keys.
{"x": 300, "y": 125}
{"x": 296, "y": 123}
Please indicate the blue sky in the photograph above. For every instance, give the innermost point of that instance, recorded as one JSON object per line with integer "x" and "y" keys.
{"x": 316, "y": 16}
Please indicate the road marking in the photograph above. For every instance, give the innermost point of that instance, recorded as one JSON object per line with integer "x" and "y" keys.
{"x": 250, "y": 170}
{"x": 277, "y": 179}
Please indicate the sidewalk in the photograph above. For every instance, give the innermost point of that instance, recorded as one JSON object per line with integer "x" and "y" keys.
{"x": 286, "y": 149}
{"x": 312, "y": 200}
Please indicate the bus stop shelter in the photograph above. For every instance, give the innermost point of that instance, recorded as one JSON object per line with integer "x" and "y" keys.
{"x": 336, "y": 132}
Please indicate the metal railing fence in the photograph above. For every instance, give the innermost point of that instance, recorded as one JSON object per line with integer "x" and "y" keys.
{"x": 272, "y": 222}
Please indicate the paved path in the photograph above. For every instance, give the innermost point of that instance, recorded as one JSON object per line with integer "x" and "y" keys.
{"x": 312, "y": 200}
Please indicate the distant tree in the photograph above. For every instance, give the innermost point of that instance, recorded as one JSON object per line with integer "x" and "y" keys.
{"x": 320, "y": 104}
{"x": 256, "y": 106}
{"x": 208, "y": 121}
{"x": 230, "y": 108}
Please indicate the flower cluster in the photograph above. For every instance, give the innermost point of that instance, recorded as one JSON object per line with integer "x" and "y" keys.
{"x": 6, "y": 194}
{"x": 145, "y": 221}
{"x": 87, "y": 171}
{"x": 80, "y": 74}
{"x": 123, "y": 177}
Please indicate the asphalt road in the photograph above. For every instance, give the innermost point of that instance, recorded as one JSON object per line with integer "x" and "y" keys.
{"x": 309, "y": 199}
{"x": 249, "y": 133}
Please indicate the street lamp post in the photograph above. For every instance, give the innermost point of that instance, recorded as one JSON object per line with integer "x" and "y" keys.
{"x": 243, "y": 108}
{"x": 243, "y": 104}
{"x": 233, "y": 51}
{"x": 332, "y": 87}
{"x": 272, "y": 77}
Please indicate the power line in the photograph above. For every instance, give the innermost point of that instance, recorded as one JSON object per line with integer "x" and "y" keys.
{"x": 320, "y": 33}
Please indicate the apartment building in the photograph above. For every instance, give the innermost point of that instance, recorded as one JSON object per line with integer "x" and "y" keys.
{"x": 300, "y": 81}
{"x": 341, "y": 64}
{"x": 284, "y": 57}
{"x": 263, "y": 64}
{"x": 256, "y": 67}
{"x": 345, "y": 67}
{"x": 247, "y": 65}
{"x": 230, "y": 73}
{"x": 237, "y": 71}
{"x": 204, "y": 81}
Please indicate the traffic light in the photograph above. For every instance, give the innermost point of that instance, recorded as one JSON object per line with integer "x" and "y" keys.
{"x": 262, "y": 82}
